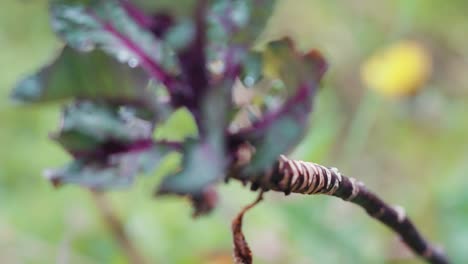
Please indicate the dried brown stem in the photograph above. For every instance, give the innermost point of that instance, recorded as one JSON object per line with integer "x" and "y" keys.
{"x": 291, "y": 176}
{"x": 115, "y": 226}
{"x": 242, "y": 252}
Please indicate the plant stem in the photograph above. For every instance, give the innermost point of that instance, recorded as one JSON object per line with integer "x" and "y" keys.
{"x": 242, "y": 252}
{"x": 292, "y": 176}
{"x": 116, "y": 227}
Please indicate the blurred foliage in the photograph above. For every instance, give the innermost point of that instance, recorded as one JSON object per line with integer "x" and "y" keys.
{"x": 412, "y": 149}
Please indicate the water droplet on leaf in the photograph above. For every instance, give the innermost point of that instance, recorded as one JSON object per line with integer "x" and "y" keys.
{"x": 249, "y": 81}
{"x": 123, "y": 56}
{"x": 87, "y": 46}
{"x": 133, "y": 62}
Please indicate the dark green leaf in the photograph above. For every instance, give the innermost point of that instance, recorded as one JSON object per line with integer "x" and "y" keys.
{"x": 180, "y": 8}
{"x": 85, "y": 25}
{"x": 252, "y": 70}
{"x": 76, "y": 142}
{"x": 83, "y": 75}
{"x": 280, "y": 130}
{"x": 241, "y": 21}
{"x": 233, "y": 26}
{"x": 204, "y": 160}
{"x": 202, "y": 165}
{"x": 102, "y": 122}
{"x": 281, "y": 61}
{"x": 259, "y": 13}
{"x": 86, "y": 127}
{"x": 117, "y": 172}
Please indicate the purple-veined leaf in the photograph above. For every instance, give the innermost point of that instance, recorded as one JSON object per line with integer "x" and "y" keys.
{"x": 91, "y": 75}
{"x": 236, "y": 25}
{"x": 239, "y": 22}
{"x": 192, "y": 59}
{"x": 158, "y": 23}
{"x": 205, "y": 159}
{"x": 117, "y": 171}
{"x": 93, "y": 130}
{"x": 280, "y": 130}
{"x": 85, "y": 25}
{"x": 110, "y": 145}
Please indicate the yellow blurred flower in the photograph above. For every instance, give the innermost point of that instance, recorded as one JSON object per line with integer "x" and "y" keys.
{"x": 398, "y": 70}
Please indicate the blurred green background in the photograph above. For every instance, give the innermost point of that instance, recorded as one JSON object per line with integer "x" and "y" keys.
{"x": 412, "y": 149}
